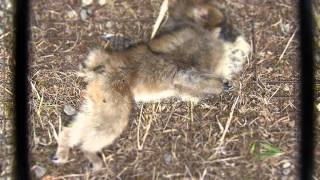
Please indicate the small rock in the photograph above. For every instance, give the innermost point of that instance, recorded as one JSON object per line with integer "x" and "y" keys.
{"x": 83, "y": 14}
{"x": 102, "y": 2}
{"x": 69, "y": 110}
{"x": 86, "y": 2}
{"x": 285, "y": 28}
{"x": 167, "y": 158}
{"x": 286, "y": 88}
{"x": 39, "y": 171}
{"x": 8, "y": 4}
{"x": 286, "y": 171}
{"x": 261, "y": 54}
{"x": 269, "y": 52}
{"x": 72, "y": 15}
{"x": 318, "y": 107}
{"x": 109, "y": 24}
{"x": 1, "y": 31}
{"x": 286, "y": 165}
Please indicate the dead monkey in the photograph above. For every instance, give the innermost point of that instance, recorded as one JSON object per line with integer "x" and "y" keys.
{"x": 184, "y": 14}
{"x": 201, "y": 12}
{"x": 226, "y": 38}
{"x": 146, "y": 72}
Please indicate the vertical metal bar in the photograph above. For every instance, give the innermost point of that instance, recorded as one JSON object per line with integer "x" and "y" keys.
{"x": 21, "y": 22}
{"x": 307, "y": 93}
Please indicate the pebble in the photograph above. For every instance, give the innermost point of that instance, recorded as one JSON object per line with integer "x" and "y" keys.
{"x": 39, "y": 171}
{"x": 72, "y": 15}
{"x": 109, "y": 24}
{"x": 318, "y": 107}
{"x": 86, "y": 2}
{"x": 69, "y": 110}
{"x": 102, "y": 2}
{"x": 285, "y": 28}
{"x": 167, "y": 158}
{"x": 286, "y": 172}
{"x": 1, "y": 31}
{"x": 286, "y": 165}
{"x": 8, "y": 4}
{"x": 83, "y": 14}
{"x": 286, "y": 88}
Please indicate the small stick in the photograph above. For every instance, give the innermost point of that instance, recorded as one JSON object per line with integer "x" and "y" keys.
{"x": 228, "y": 122}
{"x": 162, "y": 13}
{"x": 285, "y": 49}
{"x": 138, "y": 131}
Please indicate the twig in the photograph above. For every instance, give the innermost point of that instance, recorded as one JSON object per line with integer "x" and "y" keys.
{"x": 191, "y": 110}
{"x": 147, "y": 131}
{"x": 288, "y": 44}
{"x": 228, "y": 122}
{"x": 162, "y": 13}
{"x": 55, "y": 135}
{"x": 203, "y": 174}
{"x": 223, "y": 159}
{"x": 138, "y": 129}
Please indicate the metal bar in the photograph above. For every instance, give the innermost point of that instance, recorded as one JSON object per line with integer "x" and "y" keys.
{"x": 21, "y": 21}
{"x": 307, "y": 93}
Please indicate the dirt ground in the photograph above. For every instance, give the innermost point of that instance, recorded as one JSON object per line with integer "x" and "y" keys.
{"x": 172, "y": 139}
{"x": 6, "y": 92}
{"x": 248, "y": 133}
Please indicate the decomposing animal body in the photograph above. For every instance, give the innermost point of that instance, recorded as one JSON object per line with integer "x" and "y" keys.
{"x": 190, "y": 57}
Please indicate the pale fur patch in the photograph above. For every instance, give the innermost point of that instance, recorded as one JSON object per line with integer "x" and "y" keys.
{"x": 234, "y": 57}
{"x": 195, "y": 100}
{"x": 152, "y": 96}
{"x": 96, "y": 57}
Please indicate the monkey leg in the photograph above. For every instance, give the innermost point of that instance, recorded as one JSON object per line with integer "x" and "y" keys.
{"x": 62, "y": 153}
{"x": 102, "y": 118}
{"x": 195, "y": 83}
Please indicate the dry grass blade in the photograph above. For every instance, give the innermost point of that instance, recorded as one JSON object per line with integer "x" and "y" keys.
{"x": 228, "y": 122}
{"x": 55, "y": 134}
{"x": 145, "y": 135}
{"x": 138, "y": 130}
{"x": 162, "y": 13}
{"x": 286, "y": 48}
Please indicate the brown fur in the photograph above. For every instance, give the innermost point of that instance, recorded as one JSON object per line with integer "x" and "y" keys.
{"x": 185, "y": 60}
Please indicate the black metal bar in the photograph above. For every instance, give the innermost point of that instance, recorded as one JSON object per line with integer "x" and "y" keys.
{"x": 307, "y": 93}
{"x": 21, "y": 161}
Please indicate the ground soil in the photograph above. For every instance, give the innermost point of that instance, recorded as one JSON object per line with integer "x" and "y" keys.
{"x": 172, "y": 139}
{"x": 181, "y": 139}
